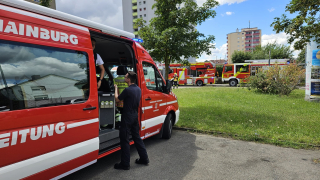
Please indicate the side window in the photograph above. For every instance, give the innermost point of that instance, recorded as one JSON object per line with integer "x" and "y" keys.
{"x": 242, "y": 68}
{"x": 149, "y": 76}
{"x": 228, "y": 68}
{"x": 33, "y": 76}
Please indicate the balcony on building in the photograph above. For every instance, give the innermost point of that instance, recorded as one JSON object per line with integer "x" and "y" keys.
{"x": 134, "y": 1}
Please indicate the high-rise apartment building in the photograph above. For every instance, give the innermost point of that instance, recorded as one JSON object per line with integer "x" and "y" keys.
{"x": 244, "y": 40}
{"x": 134, "y": 9}
{"x": 52, "y": 3}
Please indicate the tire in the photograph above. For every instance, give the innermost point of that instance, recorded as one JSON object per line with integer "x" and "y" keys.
{"x": 167, "y": 127}
{"x": 199, "y": 83}
{"x": 233, "y": 83}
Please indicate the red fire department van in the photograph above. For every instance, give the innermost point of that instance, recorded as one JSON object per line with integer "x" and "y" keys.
{"x": 53, "y": 120}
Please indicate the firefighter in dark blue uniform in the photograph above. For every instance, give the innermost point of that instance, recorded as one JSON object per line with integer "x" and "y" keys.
{"x": 129, "y": 122}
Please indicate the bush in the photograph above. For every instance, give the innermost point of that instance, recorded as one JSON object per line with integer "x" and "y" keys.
{"x": 277, "y": 79}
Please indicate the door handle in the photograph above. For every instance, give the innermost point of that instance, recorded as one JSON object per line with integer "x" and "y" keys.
{"x": 89, "y": 108}
{"x": 148, "y": 99}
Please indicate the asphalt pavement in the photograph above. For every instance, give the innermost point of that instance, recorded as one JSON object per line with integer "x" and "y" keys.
{"x": 197, "y": 156}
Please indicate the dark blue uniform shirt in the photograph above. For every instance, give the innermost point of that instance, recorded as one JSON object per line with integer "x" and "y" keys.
{"x": 131, "y": 100}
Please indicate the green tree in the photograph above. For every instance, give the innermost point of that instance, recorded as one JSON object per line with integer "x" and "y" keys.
{"x": 240, "y": 56}
{"x": 302, "y": 56}
{"x": 171, "y": 36}
{"x": 304, "y": 27}
{"x": 45, "y": 3}
{"x": 277, "y": 51}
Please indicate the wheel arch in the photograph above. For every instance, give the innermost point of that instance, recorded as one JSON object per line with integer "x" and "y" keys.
{"x": 172, "y": 110}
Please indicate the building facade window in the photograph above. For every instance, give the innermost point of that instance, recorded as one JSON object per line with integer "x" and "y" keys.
{"x": 140, "y": 9}
{"x": 140, "y": 16}
{"x": 144, "y": 9}
{"x": 140, "y": 3}
{"x": 145, "y": 15}
{"x": 144, "y": 2}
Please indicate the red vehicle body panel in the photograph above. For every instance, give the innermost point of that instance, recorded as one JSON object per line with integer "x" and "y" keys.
{"x": 64, "y": 126}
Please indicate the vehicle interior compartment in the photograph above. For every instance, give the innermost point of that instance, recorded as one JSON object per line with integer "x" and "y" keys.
{"x": 118, "y": 58}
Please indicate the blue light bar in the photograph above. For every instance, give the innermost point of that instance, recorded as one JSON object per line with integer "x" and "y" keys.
{"x": 138, "y": 40}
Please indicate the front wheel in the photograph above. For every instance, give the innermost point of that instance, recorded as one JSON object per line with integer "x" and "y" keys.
{"x": 167, "y": 127}
{"x": 199, "y": 83}
{"x": 233, "y": 83}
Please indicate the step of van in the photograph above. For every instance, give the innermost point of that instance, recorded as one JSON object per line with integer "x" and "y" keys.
{"x": 108, "y": 134}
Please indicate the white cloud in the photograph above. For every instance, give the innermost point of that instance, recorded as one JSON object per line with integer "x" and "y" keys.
{"x": 221, "y": 2}
{"x": 44, "y": 66}
{"x": 280, "y": 38}
{"x": 272, "y": 9}
{"x": 101, "y": 11}
{"x": 216, "y": 53}
{"x": 229, "y": 13}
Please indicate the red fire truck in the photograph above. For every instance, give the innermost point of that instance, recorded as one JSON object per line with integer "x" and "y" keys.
{"x": 237, "y": 73}
{"x": 53, "y": 120}
{"x": 196, "y": 74}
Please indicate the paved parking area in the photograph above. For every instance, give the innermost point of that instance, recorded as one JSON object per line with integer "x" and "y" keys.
{"x": 197, "y": 156}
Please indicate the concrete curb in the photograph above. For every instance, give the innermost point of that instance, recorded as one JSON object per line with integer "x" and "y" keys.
{"x": 221, "y": 134}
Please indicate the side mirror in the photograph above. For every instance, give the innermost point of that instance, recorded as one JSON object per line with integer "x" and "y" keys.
{"x": 168, "y": 86}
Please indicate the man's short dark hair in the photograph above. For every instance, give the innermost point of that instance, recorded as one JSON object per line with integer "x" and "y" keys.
{"x": 93, "y": 40}
{"x": 132, "y": 76}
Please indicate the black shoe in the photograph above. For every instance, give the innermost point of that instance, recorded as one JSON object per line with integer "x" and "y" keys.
{"x": 120, "y": 166}
{"x": 140, "y": 161}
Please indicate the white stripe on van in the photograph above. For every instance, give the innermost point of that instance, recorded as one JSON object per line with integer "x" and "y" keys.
{"x": 42, "y": 17}
{"x": 172, "y": 102}
{"x": 77, "y": 124}
{"x": 40, "y": 163}
{"x": 74, "y": 170}
{"x": 167, "y": 103}
{"x": 154, "y": 121}
{"x": 147, "y": 107}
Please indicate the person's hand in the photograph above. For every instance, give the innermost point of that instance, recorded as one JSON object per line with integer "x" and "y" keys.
{"x": 99, "y": 84}
{"x": 115, "y": 86}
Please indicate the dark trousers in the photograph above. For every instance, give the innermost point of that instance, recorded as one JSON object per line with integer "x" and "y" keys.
{"x": 125, "y": 130}
{"x": 175, "y": 83}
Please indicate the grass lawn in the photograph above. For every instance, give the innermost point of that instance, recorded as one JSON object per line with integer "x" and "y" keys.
{"x": 242, "y": 114}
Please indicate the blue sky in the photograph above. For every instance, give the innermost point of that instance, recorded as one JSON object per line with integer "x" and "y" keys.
{"x": 229, "y": 17}
{"x": 231, "y": 14}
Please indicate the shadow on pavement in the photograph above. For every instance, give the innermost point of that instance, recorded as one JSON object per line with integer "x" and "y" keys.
{"x": 169, "y": 159}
